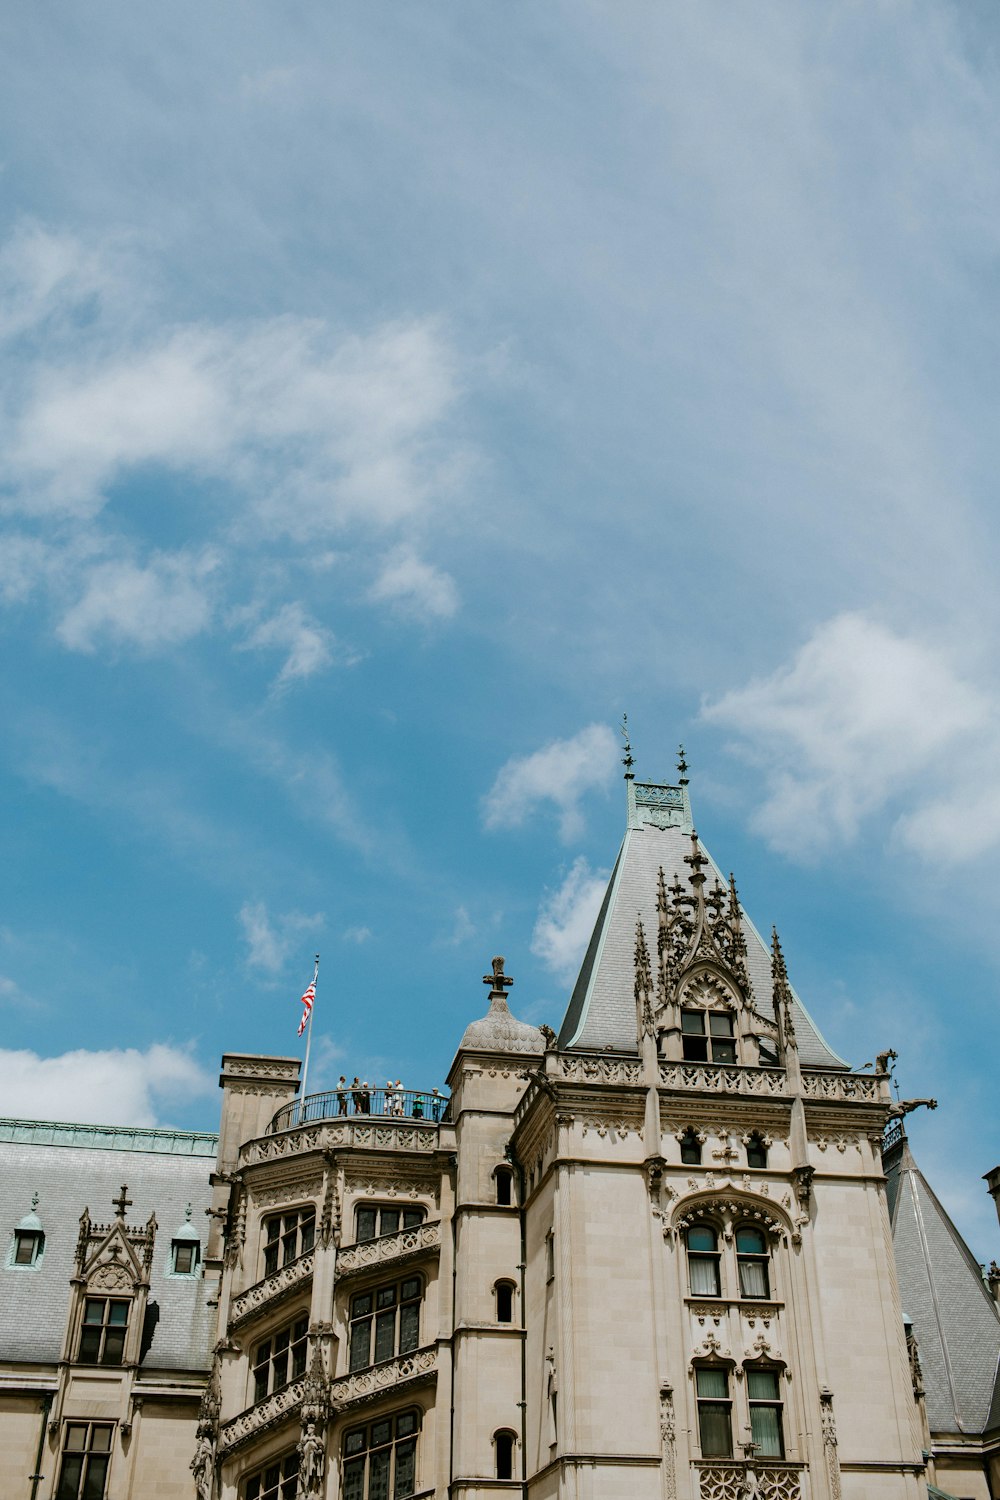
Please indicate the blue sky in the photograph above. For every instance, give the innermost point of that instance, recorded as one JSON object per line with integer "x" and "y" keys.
{"x": 391, "y": 397}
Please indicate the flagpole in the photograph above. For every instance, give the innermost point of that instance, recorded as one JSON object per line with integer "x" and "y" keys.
{"x": 309, "y": 1037}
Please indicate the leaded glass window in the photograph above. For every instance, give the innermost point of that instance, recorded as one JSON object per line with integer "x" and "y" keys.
{"x": 380, "y": 1460}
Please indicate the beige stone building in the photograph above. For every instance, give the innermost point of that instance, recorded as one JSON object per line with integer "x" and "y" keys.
{"x": 649, "y": 1258}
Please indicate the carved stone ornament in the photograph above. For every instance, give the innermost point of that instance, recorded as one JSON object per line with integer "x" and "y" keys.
{"x": 288, "y": 1192}
{"x": 830, "y": 1441}
{"x": 668, "y": 1434}
{"x": 109, "y": 1277}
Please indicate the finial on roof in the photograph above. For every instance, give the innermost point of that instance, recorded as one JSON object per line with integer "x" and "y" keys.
{"x": 627, "y": 760}
{"x": 682, "y": 767}
{"x": 122, "y": 1202}
{"x": 498, "y": 980}
{"x": 781, "y": 992}
{"x": 35, "y": 1200}
{"x": 187, "y": 1214}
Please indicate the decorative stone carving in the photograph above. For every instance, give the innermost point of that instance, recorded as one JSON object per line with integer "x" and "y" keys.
{"x": 110, "y": 1277}
{"x": 845, "y": 1086}
{"x": 288, "y": 1192}
{"x": 260, "y": 1418}
{"x": 605, "y": 1127}
{"x": 802, "y": 1179}
{"x": 284, "y": 1280}
{"x": 829, "y": 1425}
{"x": 729, "y": 1482}
{"x": 315, "y": 1413}
{"x": 668, "y": 1433}
{"x": 499, "y": 1031}
{"x": 203, "y": 1466}
{"x": 770, "y": 1082}
{"x": 422, "y": 1363}
{"x": 389, "y": 1248}
{"x": 574, "y": 1068}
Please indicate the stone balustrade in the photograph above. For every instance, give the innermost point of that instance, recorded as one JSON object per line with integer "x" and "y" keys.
{"x": 850, "y": 1086}
{"x": 369, "y": 1133}
{"x": 583, "y": 1067}
{"x": 261, "y": 1417}
{"x": 407, "y": 1368}
{"x": 271, "y": 1288}
{"x": 770, "y": 1082}
{"x": 389, "y": 1248}
{"x": 728, "y": 1481}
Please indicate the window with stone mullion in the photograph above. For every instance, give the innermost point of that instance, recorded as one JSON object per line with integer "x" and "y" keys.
{"x": 385, "y": 1322}
{"x": 765, "y": 1412}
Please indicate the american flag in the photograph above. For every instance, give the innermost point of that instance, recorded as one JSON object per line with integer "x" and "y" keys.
{"x": 307, "y": 1001}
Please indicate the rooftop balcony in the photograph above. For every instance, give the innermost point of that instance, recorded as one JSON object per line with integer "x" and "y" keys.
{"x": 362, "y": 1104}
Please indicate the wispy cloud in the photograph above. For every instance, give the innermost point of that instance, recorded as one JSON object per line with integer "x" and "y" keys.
{"x": 566, "y": 919}
{"x": 561, "y": 773}
{"x": 415, "y": 588}
{"x": 162, "y": 603}
{"x": 865, "y": 719}
{"x": 270, "y": 940}
{"x": 309, "y": 645}
{"x": 119, "y": 1086}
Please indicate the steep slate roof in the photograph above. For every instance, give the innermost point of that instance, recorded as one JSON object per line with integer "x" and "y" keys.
{"x": 955, "y": 1319}
{"x": 73, "y": 1167}
{"x": 601, "y": 1012}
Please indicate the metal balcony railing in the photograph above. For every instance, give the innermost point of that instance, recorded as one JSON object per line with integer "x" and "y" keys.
{"x": 362, "y": 1104}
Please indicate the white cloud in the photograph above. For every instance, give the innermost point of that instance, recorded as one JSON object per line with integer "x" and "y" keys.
{"x": 309, "y": 645}
{"x": 415, "y": 588}
{"x": 560, "y": 773}
{"x": 160, "y": 604}
{"x": 270, "y": 940}
{"x": 357, "y": 935}
{"x": 864, "y": 719}
{"x": 566, "y": 919}
{"x": 121, "y": 1086}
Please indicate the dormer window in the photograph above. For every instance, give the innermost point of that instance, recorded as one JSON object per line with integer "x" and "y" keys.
{"x": 185, "y": 1249}
{"x": 708, "y": 1036}
{"x": 28, "y": 1241}
{"x": 28, "y": 1247}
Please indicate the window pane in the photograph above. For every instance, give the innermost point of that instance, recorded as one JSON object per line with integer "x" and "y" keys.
{"x": 385, "y": 1336}
{"x": 100, "y": 1439}
{"x": 751, "y": 1241}
{"x": 385, "y": 1297}
{"x": 354, "y": 1442}
{"x": 701, "y": 1239}
{"x": 410, "y": 1288}
{"x": 69, "y": 1480}
{"x": 406, "y": 1470}
{"x": 114, "y": 1346}
{"x": 354, "y": 1479}
{"x": 716, "y": 1433}
{"x": 390, "y": 1221}
{"x": 366, "y": 1224}
{"x": 118, "y": 1313}
{"x": 93, "y": 1312}
{"x": 724, "y": 1052}
{"x": 693, "y": 1022}
{"x": 719, "y": 1024}
{"x": 308, "y": 1235}
{"x": 361, "y": 1305}
{"x": 381, "y": 1433}
{"x": 765, "y": 1424}
{"x": 409, "y": 1327}
{"x": 76, "y": 1437}
{"x": 713, "y": 1383}
{"x": 378, "y": 1475}
{"x": 762, "y": 1385}
{"x": 695, "y": 1049}
{"x": 406, "y": 1424}
{"x": 412, "y": 1217}
{"x": 97, "y": 1473}
{"x": 25, "y": 1252}
{"x": 704, "y": 1276}
{"x": 90, "y": 1346}
{"x": 360, "y": 1345}
{"x": 753, "y": 1278}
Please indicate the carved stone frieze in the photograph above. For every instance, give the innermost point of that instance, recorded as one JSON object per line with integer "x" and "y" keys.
{"x": 272, "y": 1288}
{"x": 614, "y": 1128}
{"x": 329, "y": 1135}
{"x": 111, "y": 1276}
{"x": 741, "y": 1481}
{"x": 288, "y": 1192}
{"x": 262, "y": 1417}
{"x": 350, "y": 1389}
{"x": 389, "y": 1248}
{"x": 668, "y": 1435}
{"x": 249, "y": 1067}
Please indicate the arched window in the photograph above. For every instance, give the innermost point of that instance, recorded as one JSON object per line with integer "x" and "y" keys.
{"x": 372, "y": 1220}
{"x": 703, "y": 1261}
{"x": 691, "y": 1148}
{"x": 756, "y": 1150}
{"x": 505, "y": 1186}
{"x": 752, "y": 1258}
{"x": 381, "y": 1458}
{"x": 504, "y": 1443}
{"x": 504, "y": 1293}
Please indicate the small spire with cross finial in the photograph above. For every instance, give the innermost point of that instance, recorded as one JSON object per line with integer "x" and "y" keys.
{"x": 498, "y": 980}
{"x": 35, "y": 1200}
{"x": 627, "y": 760}
{"x": 122, "y": 1202}
{"x": 682, "y": 767}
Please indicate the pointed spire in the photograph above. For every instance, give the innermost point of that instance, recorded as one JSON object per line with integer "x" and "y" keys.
{"x": 627, "y": 760}
{"x": 682, "y": 767}
{"x": 781, "y": 993}
{"x": 643, "y": 982}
